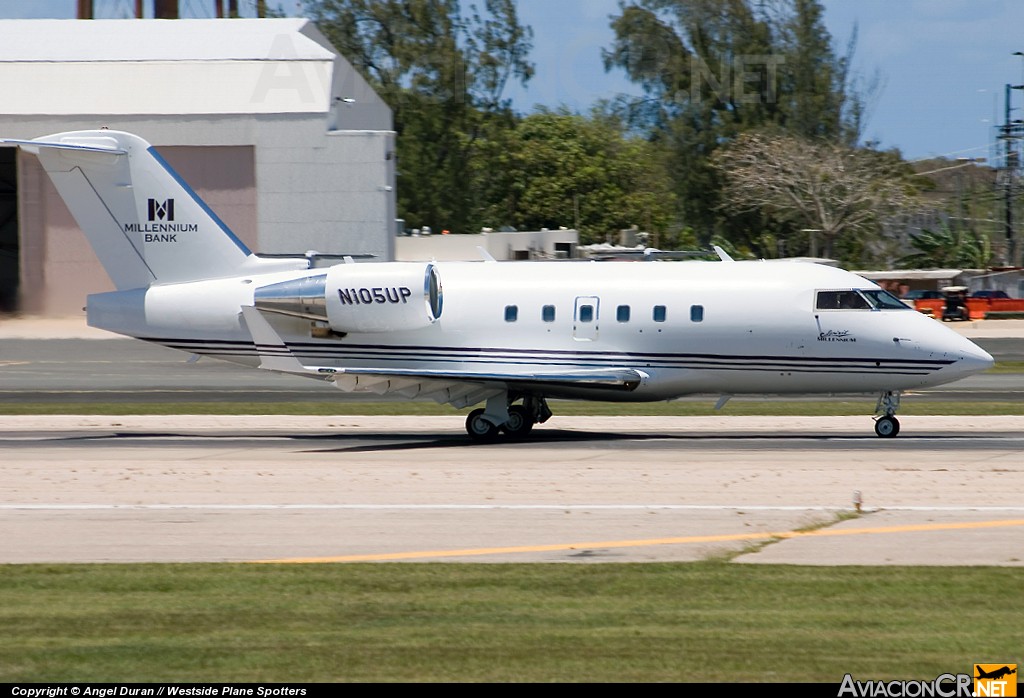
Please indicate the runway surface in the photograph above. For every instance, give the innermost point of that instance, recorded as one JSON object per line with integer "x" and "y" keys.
{"x": 128, "y": 370}
{"x": 586, "y": 489}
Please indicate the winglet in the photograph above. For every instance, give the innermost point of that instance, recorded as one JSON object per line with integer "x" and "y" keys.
{"x": 722, "y": 254}
{"x": 273, "y": 352}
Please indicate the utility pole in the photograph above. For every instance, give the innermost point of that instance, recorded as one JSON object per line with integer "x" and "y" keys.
{"x": 1011, "y": 133}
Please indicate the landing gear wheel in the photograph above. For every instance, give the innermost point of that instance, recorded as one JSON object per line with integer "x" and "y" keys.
{"x": 519, "y": 424}
{"x": 479, "y": 429}
{"x": 887, "y": 427}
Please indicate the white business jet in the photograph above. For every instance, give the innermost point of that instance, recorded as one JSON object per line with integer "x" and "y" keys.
{"x": 508, "y": 335}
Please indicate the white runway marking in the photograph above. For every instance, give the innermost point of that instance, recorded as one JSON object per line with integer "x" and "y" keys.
{"x": 471, "y": 507}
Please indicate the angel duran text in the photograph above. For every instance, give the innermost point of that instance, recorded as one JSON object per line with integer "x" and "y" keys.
{"x": 111, "y": 691}
{"x": 233, "y": 691}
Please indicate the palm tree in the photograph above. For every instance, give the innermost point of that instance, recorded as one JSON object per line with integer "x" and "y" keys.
{"x": 949, "y": 247}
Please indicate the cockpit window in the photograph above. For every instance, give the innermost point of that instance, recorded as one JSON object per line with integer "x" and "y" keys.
{"x": 842, "y": 300}
{"x": 858, "y": 299}
{"x": 883, "y": 300}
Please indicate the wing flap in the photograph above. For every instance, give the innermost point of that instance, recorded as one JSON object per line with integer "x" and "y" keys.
{"x": 622, "y": 378}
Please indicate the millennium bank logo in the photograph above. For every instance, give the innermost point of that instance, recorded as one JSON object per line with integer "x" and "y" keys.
{"x": 161, "y": 226}
{"x": 161, "y": 210}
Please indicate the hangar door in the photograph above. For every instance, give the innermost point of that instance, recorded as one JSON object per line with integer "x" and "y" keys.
{"x": 9, "y": 258}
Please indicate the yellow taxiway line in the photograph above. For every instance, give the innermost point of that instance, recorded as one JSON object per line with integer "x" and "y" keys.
{"x": 766, "y": 535}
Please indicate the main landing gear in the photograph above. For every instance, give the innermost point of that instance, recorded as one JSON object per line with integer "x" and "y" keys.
{"x": 886, "y": 425}
{"x": 502, "y": 417}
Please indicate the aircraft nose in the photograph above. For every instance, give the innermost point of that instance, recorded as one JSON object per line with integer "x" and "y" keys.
{"x": 977, "y": 359}
{"x": 969, "y": 359}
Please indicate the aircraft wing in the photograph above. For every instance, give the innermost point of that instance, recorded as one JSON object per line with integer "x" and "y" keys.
{"x": 462, "y": 389}
{"x": 458, "y": 388}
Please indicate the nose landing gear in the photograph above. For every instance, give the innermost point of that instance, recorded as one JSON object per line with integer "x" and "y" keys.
{"x": 886, "y": 425}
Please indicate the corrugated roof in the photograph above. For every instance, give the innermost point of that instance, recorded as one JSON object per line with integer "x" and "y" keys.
{"x": 134, "y": 40}
{"x": 187, "y": 66}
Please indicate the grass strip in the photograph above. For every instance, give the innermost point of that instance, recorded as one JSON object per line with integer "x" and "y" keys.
{"x": 708, "y": 622}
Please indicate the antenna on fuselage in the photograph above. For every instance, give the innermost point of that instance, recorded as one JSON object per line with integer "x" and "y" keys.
{"x": 722, "y": 254}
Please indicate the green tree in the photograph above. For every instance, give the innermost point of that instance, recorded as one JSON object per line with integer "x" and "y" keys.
{"x": 713, "y": 69}
{"x": 443, "y": 72}
{"x": 559, "y": 169}
{"x": 818, "y": 94}
{"x": 949, "y": 247}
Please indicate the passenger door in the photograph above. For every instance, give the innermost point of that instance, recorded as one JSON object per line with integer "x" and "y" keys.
{"x": 585, "y": 318}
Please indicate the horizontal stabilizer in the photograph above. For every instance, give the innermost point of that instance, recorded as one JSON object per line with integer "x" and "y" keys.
{"x": 99, "y": 147}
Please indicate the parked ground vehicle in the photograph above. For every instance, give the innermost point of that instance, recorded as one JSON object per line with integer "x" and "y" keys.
{"x": 990, "y": 294}
{"x": 955, "y": 307}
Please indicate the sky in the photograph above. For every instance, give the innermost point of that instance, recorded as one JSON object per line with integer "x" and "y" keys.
{"x": 942, "y": 64}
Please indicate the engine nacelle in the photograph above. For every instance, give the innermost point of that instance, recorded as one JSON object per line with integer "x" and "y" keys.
{"x": 366, "y": 297}
{"x": 384, "y": 297}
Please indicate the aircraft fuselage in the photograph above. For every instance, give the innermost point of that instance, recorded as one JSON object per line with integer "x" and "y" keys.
{"x": 688, "y": 327}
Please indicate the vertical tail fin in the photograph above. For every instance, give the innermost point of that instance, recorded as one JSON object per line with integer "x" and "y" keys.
{"x": 144, "y": 222}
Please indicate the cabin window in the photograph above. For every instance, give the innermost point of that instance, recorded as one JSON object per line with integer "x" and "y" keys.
{"x": 697, "y": 313}
{"x": 659, "y": 313}
{"x": 842, "y": 300}
{"x": 511, "y": 313}
{"x": 547, "y": 313}
{"x": 586, "y": 313}
{"x": 622, "y": 313}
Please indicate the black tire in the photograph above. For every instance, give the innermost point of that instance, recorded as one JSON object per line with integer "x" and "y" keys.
{"x": 519, "y": 424}
{"x": 887, "y": 427}
{"x": 479, "y": 429}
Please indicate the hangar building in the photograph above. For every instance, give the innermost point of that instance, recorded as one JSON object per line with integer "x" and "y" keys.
{"x": 262, "y": 117}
